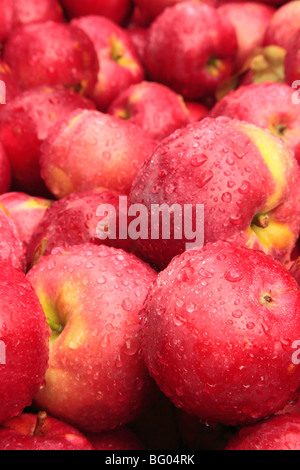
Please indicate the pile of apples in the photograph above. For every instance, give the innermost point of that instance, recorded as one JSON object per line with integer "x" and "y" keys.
{"x": 115, "y": 343}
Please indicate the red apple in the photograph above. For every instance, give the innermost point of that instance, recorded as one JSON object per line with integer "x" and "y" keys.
{"x": 278, "y": 113}
{"x": 186, "y": 55}
{"x": 116, "y": 10}
{"x": 92, "y": 296}
{"x": 246, "y": 178}
{"x": 24, "y": 338}
{"x": 26, "y": 212}
{"x": 90, "y": 149}
{"x": 11, "y": 248}
{"x": 277, "y": 433}
{"x": 6, "y": 8}
{"x": 197, "y": 111}
{"x": 217, "y": 333}
{"x": 12, "y": 88}
{"x": 150, "y": 9}
{"x": 295, "y": 270}
{"x": 283, "y": 25}
{"x": 25, "y": 123}
{"x": 33, "y": 11}
{"x": 120, "y": 64}
{"x": 138, "y": 38}
{"x": 41, "y": 432}
{"x": 250, "y": 20}
{"x": 154, "y": 107}
{"x": 51, "y": 53}
{"x": 74, "y": 220}
{"x": 292, "y": 62}
{"x": 5, "y": 171}
{"x": 119, "y": 439}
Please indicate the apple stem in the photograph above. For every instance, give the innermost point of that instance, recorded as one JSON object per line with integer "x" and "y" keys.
{"x": 40, "y": 422}
{"x": 262, "y": 221}
{"x": 54, "y": 326}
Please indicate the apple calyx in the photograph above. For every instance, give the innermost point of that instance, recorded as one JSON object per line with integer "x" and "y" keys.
{"x": 40, "y": 422}
{"x": 267, "y": 299}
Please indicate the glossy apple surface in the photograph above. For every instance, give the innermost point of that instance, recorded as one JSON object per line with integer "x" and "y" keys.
{"x": 283, "y": 25}
{"x": 218, "y": 329}
{"x": 25, "y": 123}
{"x": 34, "y": 11}
{"x": 73, "y": 221}
{"x": 92, "y": 296}
{"x": 182, "y": 53}
{"x": 278, "y": 114}
{"x": 90, "y": 149}
{"x": 59, "y": 54}
{"x": 250, "y": 20}
{"x": 24, "y": 337}
{"x": 40, "y": 432}
{"x": 152, "y": 106}
{"x": 26, "y": 212}
{"x": 245, "y": 177}
{"x": 277, "y": 433}
{"x": 120, "y": 63}
{"x": 11, "y": 247}
{"x": 116, "y": 10}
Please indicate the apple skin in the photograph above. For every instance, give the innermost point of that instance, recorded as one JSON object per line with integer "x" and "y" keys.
{"x": 157, "y": 109}
{"x": 73, "y": 221}
{"x": 182, "y": 53}
{"x": 278, "y": 113}
{"x": 26, "y": 212}
{"x": 295, "y": 270}
{"x": 115, "y": 10}
{"x": 150, "y": 9}
{"x": 250, "y": 20}
{"x": 215, "y": 353}
{"x": 284, "y": 24}
{"x": 33, "y": 11}
{"x": 5, "y": 171}
{"x": 25, "y": 123}
{"x": 90, "y": 149}
{"x": 118, "y": 439}
{"x": 6, "y": 8}
{"x": 25, "y": 334}
{"x": 138, "y": 38}
{"x": 120, "y": 63}
{"x": 11, "y": 248}
{"x": 197, "y": 111}
{"x": 12, "y": 87}
{"x": 277, "y": 433}
{"x": 237, "y": 171}
{"x": 59, "y": 54}
{"x": 95, "y": 293}
{"x": 292, "y": 59}
{"x": 52, "y": 434}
